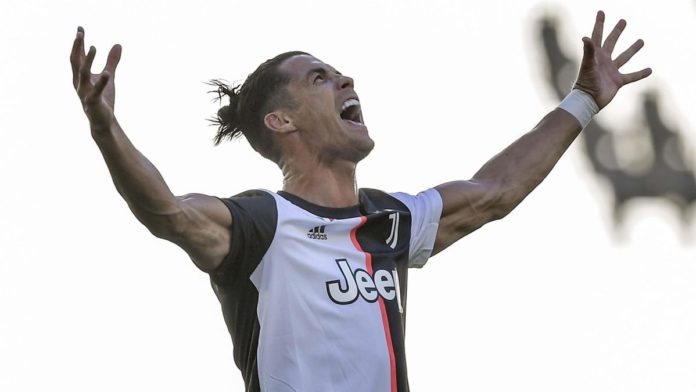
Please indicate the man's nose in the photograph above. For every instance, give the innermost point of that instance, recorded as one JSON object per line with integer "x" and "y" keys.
{"x": 345, "y": 82}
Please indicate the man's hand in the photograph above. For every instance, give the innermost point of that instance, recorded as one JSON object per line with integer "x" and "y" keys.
{"x": 96, "y": 91}
{"x": 599, "y": 75}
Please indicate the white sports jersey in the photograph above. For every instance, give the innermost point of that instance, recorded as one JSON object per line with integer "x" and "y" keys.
{"x": 315, "y": 297}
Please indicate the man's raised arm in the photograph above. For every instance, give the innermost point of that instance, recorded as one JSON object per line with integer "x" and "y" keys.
{"x": 505, "y": 180}
{"x": 197, "y": 223}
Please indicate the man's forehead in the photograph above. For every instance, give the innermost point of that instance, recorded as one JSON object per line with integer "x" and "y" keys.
{"x": 302, "y": 63}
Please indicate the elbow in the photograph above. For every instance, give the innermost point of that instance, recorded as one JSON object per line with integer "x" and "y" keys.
{"x": 499, "y": 211}
{"x": 167, "y": 226}
{"x": 505, "y": 198}
{"x": 161, "y": 231}
{"x": 509, "y": 198}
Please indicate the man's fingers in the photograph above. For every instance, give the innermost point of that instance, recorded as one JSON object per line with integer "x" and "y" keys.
{"x": 598, "y": 29}
{"x": 610, "y": 42}
{"x": 113, "y": 59}
{"x": 628, "y": 53}
{"x": 636, "y": 76}
{"x": 86, "y": 66}
{"x": 77, "y": 55}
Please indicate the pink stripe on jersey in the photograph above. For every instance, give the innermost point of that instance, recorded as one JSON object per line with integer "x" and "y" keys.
{"x": 382, "y": 308}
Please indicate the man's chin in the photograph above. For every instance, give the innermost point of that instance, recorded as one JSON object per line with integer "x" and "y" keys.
{"x": 358, "y": 150}
{"x": 364, "y": 149}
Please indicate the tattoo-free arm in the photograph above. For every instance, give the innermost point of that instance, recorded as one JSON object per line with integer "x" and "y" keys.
{"x": 505, "y": 180}
{"x": 197, "y": 223}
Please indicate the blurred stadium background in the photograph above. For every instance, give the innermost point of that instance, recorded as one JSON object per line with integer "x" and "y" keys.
{"x": 589, "y": 285}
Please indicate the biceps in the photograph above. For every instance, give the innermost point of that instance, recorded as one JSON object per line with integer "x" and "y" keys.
{"x": 466, "y": 206}
{"x": 202, "y": 229}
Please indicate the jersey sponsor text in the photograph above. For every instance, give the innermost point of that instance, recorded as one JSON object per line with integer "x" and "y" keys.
{"x": 359, "y": 283}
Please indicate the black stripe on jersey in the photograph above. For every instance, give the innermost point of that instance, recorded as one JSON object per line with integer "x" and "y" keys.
{"x": 255, "y": 217}
{"x": 372, "y": 237}
{"x": 325, "y": 212}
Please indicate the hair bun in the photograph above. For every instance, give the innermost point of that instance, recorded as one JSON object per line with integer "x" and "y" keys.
{"x": 227, "y": 118}
{"x": 226, "y": 115}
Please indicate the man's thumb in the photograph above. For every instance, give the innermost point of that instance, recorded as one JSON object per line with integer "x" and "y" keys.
{"x": 588, "y": 53}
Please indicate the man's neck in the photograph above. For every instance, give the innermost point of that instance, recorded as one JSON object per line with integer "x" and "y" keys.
{"x": 328, "y": 186}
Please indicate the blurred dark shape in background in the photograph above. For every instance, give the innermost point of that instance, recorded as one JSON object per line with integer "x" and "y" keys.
{"x": 648, "y": 161}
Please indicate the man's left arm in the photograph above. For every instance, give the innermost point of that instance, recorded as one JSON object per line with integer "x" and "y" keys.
{"x": 505, "y": 180}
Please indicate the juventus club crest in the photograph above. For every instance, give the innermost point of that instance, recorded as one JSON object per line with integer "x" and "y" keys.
{"x": 394, "y": 233}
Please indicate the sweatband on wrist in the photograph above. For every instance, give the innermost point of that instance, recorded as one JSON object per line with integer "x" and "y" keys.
{"x": 580, "y": 105}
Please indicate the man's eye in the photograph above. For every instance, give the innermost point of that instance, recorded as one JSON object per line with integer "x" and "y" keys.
{"x": 318, "y": 78}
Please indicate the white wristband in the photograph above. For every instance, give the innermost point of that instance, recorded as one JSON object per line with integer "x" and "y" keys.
{"x": 581, "y": 105}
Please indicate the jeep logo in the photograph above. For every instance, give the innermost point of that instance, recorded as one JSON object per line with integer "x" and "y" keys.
{"x": 359, "y": 283}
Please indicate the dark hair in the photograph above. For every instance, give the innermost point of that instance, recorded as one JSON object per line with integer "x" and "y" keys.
{"x": 263, "y": 91}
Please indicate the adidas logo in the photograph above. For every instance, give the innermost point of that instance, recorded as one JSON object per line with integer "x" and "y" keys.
{"x": 317, "y": 233}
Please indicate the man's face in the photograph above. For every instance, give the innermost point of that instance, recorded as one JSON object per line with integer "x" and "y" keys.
{"x": 328, "y": 114}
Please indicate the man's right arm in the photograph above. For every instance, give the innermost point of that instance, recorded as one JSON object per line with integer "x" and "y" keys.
{"x": 199, "y": 224}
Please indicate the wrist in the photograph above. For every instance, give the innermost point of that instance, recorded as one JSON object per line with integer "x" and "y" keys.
{"x": 100, "y": 129}
{"x": 580, "y": 105}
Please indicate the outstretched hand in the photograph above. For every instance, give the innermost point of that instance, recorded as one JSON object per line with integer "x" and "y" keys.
{"x": 96, "y": 91}
{"x": 599, "y": 75}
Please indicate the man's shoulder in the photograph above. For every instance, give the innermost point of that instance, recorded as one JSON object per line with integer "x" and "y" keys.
{"x": 375, "y": 193}
{"x": 252, "y": 193}
{"x": 252, "y": 205}
{"x": 380, "y": 200}
{"x": 399, "y": 200}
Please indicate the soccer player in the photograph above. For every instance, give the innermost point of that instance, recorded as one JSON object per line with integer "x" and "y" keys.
{"x": 312, "y": 279}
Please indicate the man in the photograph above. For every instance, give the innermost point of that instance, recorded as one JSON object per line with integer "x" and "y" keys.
{"x": 312, "y": 279}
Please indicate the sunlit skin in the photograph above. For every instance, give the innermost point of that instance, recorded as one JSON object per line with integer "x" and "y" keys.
{"x": 320, "y": 150}
{"x": 321, "y": 145}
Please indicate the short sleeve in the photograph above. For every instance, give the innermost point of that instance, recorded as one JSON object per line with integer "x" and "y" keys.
{"x": 425, "y": 209}
{"x": 254, "y": 219}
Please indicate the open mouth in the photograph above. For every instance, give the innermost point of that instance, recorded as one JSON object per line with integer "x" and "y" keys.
{"x": 350, "y": 111}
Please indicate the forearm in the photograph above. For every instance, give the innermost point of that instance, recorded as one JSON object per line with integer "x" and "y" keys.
{"x": 504, "y": 181}
{"x": 523, "y": 165}
{"x": 135, "y": 177}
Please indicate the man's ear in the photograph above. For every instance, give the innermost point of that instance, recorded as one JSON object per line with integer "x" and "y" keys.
{"x": 279, "y": 121}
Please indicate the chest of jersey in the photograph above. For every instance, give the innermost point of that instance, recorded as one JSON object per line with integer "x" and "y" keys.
{"x": 326, "y": 290}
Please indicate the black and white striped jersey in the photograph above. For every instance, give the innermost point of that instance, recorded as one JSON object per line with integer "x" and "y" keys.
{"x": 314, "y": 297}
